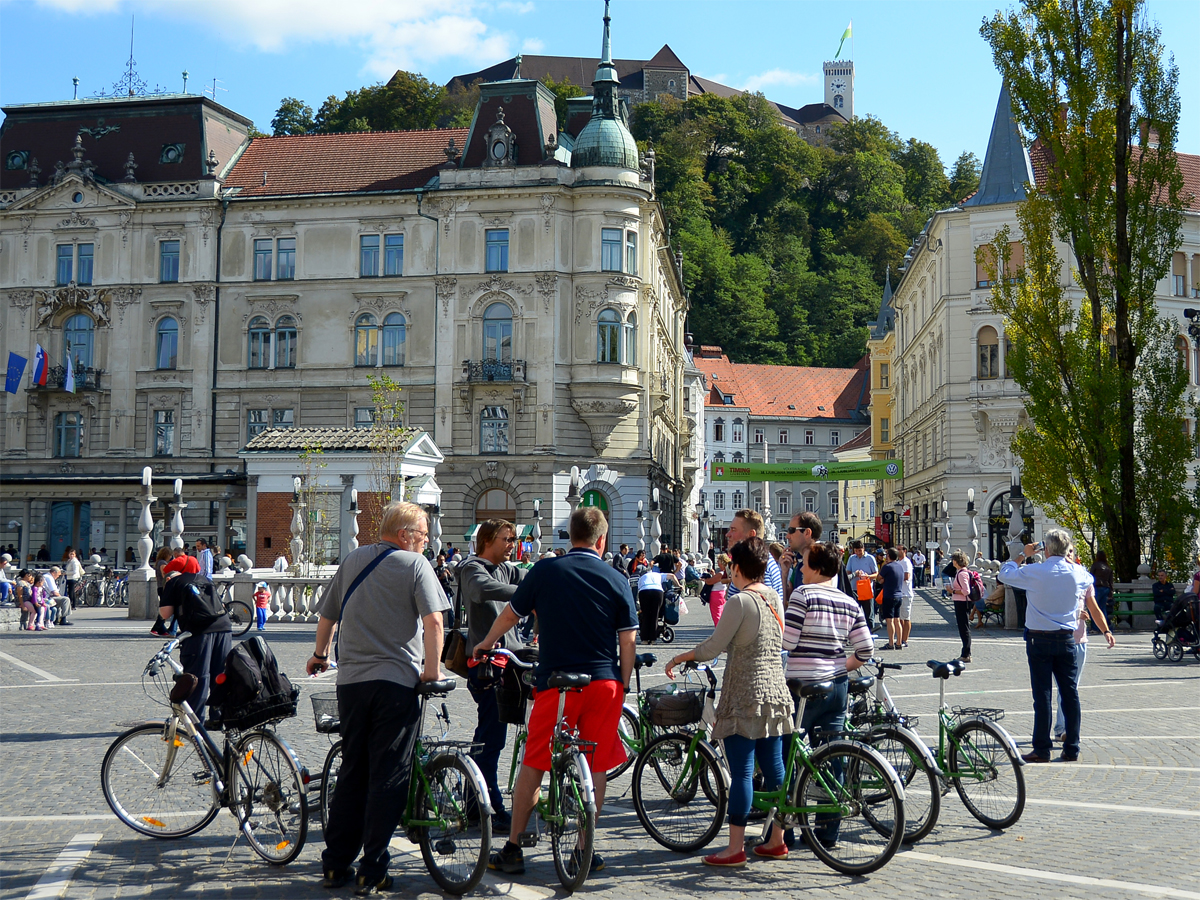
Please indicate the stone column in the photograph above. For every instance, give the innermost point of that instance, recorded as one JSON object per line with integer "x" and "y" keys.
{"x": 26, "y": 528}
{"x": 122, "y": 532}
{"x": 252, "y": 518}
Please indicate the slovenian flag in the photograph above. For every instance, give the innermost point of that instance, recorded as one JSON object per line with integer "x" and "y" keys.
{"x": 69, "y": 378}
{"x": 41, "y": 367}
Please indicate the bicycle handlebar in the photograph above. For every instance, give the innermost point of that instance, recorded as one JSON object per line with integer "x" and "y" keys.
{"x": 694, "y": 666}
{"x": 509, "y": 655}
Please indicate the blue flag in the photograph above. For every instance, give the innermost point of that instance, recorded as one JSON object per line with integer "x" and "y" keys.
{"x": 16, "y": 368}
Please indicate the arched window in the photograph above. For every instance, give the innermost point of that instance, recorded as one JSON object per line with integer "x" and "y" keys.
{"x": 737, "y": 457}
{"x": 497, "y": 333}
{"x": 393, "y": 339}
{"x": 167, "y": 347}
{"x": 260, "y": 343}
{"x": 608, "y": 337}
{"x": 79, "y": 334}
{"x": 838, "y": 102}
{"x": 366, "y": 341}
{"x": 495, "y": 504}
{"x": 631, "y": 340}
{"x": 285, "y": 343}
{"x": 493, "y": 430}
{"x": 989, "y": 352}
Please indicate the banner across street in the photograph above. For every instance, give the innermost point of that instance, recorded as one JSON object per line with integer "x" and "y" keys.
{"x": 832, "y": 471}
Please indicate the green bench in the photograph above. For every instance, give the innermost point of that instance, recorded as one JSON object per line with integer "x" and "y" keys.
{"x": 1133, "y": 605}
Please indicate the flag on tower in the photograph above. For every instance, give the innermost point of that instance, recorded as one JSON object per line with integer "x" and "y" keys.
{"x": 69, "y": 378}
{"x": 16, "y": 368}
{"x": 845, "y": 34}
{"x": 41, "y": 366}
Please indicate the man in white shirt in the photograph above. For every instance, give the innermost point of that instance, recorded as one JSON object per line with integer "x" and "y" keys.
{"x": 906, "y": 596}
{"x": 918, "y": 561}
{"x": 204, "y": 556}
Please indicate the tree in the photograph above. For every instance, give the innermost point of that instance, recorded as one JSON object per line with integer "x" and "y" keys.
{"x": 1083, "y": 76}
{"x": 408, "y": 101}
{"x": 964, "y": 177}
{"x": 563, "y": 91}
{"x": 388, "y": 440}
{"x": 293, "y": 117}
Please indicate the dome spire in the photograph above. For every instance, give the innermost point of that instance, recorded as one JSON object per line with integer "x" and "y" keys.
{"x": 605, "y": 140}
{"x": 605, "y": 84}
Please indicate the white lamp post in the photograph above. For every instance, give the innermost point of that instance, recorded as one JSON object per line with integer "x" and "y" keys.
{"x": 146, "y": 526}
{"x": 972, "y": 524}
{"x": 353, "y": 542}
{"x": 177, "y": 520}
{"x": 655, "y": 527}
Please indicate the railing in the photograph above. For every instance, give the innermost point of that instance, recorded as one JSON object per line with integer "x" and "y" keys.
{"x": 86, "y": 379}
{"x": 170, "y": 190}
{"x": 293, "y": 598}
{"x": 494, "y": 370}
{"x": 7, "y": 197}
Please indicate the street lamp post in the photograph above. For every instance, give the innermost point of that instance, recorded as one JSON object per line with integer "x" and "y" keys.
{"x": 853, "y": 526}
{"x": 435, "y": 530}
{"x": 701, "y": 529}
{"x": 573, "y": 496}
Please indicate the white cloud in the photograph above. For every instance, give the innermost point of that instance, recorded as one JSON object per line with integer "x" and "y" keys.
{"x": 532, "y": 45}
{"x": 776, "y": 78}
{"x": 519, "y": 9}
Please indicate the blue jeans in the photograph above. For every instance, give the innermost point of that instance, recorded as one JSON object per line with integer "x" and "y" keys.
{"x": 1060, "y": 721}
{"x": 1104, "y": 600}
{"x": 1052, "y": 661}
{"x": 490, "y": 735}
{"x": 826, "y": 713}
{"x": 741, "y": 753}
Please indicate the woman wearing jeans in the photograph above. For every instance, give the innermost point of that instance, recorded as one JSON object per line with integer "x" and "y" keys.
{"x": 755, "y": 711}
{"x": 1089, "y": 610}
{"x": 961, "y": 590}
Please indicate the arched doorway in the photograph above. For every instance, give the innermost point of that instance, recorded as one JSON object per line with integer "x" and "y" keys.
{"x": 998, "y": 515}
{"x": 495, "y": 503}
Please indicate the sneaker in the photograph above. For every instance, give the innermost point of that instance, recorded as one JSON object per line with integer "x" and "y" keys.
{"x": 727, "y": 862}
{"x": 509, "y": 859}
{"x": 336, "y": 878}
{"x": 1059, "y": 738}
{"x": 1068, "y": 758}
{"x": 904, "y": 646}
{"x": 155, "y": 632}
{"x": 363, "y": 888}
{"x": 598, "y": 863}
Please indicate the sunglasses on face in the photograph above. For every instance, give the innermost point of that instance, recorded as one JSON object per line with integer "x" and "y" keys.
{"x": 792, "y": 529}
{"x": 510, "y": 540}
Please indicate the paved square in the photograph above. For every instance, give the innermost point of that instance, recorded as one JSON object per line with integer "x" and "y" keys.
{"x": 1119, "y": 824}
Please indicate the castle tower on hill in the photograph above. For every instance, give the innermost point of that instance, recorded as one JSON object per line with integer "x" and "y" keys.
{"x": 839, "y": 86}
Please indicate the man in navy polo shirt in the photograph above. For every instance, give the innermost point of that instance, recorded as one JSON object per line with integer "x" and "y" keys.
{"x": 588, "y": 624}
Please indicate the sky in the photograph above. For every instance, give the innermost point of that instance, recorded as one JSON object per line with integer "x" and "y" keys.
{"x": 921, "y": 67}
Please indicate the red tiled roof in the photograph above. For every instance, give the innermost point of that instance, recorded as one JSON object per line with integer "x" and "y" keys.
{"x": 860, "y": 440}
{"x": 1189, "y": 165}
{"x": 341, "y": 163}
{"x": 769, "y": 390}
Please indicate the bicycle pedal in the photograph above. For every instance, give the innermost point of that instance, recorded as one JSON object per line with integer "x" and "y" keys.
{"x": 527, "y": 839}
{"x": 445, "y": 847}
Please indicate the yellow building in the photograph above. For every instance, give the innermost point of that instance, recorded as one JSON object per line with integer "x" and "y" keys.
{"x": 858, "y": 494}
{"x": 881, "y": 347}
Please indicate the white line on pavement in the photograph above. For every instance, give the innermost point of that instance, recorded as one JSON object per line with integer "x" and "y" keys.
{"x": 498, "y": 886}
{"x": 40, "y": 673}
{"x": 1026, "y": 738}
{"x": 1116, "y": 807}
{"x": 1153, "y": 890}
{"x": 1082, "y": 687}
{"x": 57, "y": 879}
{"x": 1130, "y": 709}
{"x": 926, "y": 674}
{"x": 82, "y": 817}
{"x": 1113, "y": 766}
{"x": 60, "y": 682}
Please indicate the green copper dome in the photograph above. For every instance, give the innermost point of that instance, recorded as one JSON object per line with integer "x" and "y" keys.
{"x": 605, "y": 139}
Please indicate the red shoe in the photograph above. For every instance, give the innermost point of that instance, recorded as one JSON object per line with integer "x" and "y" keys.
{"x": 729, "y": 862}
{"x": 780, "y": 852}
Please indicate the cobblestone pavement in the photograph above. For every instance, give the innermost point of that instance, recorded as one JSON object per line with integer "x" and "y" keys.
{"x": 1120, "y": 824}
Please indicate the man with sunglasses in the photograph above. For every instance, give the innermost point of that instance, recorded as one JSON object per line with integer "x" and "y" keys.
{"x": 746, "y": 524}
{"x": 488, "y": 581}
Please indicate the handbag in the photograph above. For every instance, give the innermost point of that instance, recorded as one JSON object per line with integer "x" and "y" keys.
{"x": 454, "y": 652}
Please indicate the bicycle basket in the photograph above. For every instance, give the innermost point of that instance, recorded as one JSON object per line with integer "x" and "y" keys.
{"x": 512, "y": 693}
{"x": 325, "y": 711}
{"x": 260, "y": 712}
{"x": 980, "y": 712}
{"x": 671, "y": 707}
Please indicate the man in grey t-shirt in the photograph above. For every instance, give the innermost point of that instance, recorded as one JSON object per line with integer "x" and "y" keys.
{"x": 386, "y": 604}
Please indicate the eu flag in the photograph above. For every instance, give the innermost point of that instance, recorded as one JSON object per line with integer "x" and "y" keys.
{"x": 16, "y": 368}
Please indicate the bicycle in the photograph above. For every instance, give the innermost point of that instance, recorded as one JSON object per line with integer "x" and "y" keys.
{"x": 569, "y": 807}
{"x": 634, "y": 728}
{"x": 241, "y": 613}
{"x": 170, "y": 779}
{"x": 448, "y": 814}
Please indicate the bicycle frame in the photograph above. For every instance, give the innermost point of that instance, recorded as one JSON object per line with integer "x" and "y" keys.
{"x": 948, "y": 742}
{"x": 886, "y": 706}
{"x": 418, "y": 779}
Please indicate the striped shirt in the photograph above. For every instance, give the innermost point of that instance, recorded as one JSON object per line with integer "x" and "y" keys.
{"x": 820, "y": 623}
{"x": 772, "y": 578}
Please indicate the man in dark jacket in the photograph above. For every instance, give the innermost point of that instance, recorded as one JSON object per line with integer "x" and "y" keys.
{"x": 186, "y": 595}
{"x": 488, "y": 581}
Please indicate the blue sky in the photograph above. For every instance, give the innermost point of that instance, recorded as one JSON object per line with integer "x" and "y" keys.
{"x": 921, "y": 66}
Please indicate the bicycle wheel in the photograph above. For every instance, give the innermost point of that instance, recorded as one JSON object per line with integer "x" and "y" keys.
{"x": 268, "y": 797}
{"x": 241, "y": 616}
{"x": 852, "y": 807}
{"x": 572, "y": 820}
{"x": 922, "y": 792}
{"x": 329, "y": 775}
{"x": 455, "y": 849}
{"x": 91, "y": 594}
{"x": 158, "y": 786}
{"x": 1159, "y": 646}
{"x": 987, "y": 776}
{"x": 629, "y": 729}
{"x": 665, "y": 795}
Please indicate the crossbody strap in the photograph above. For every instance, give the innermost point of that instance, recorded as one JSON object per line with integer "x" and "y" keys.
{"x": 358, "y": 579}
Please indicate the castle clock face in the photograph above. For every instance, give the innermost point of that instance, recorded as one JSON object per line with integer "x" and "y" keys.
{"x": 839, "y": 86}
{"x": 499, "y": 150}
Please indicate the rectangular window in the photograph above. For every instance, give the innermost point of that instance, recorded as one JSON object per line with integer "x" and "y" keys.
{"x": 1180, "y": 288}
{"x": 810, "y": 503}
{"x": 835, "y": 438}
{"x": 68, "y": 434}
{"x": 493, "y": 430}
{"x": 283, "y": 418}
{"x": 83, "y": 269}
{"x": 810, "y": 436}
{"x": 758, "y": 504}
{"x": 737, "y": 433}
{"x": 364, "y": 417}
{"x": 610, "y": 249}
{"x": 833, "y": 506}
{"x": 285, "y": 268}
{"x": 885, "y": 375}
{"x": 759, "y": 436}
{"x": 368, "y": 256}
{"x": 164, "y": 432}
{"x": 981, "y": 267}
{"x": 262, "y": 259}
{"x": 718, "y": 431}
{"x": 885, "y": 431}
{"x": 785, "y": 504}
{"x": 260, "y": 348}
{"x": 393, "y": 254}
{"x": 285, "y": 347}
{"x": 168, "y": 261}
{"x": 256, "y": 423}
{"x": 872, "y": 509}
{"x": 739, "y": 500}
{"x": 65, "y": 264}
{"x": 719, "y": 500}
{"x": 989, "y": 360}
{"x": 497, "y": 250}
{"x": 783, "y": 435}
{"x": 631, "y": 266}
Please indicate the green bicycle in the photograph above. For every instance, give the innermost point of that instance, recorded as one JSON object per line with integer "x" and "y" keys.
{"x": 568, "y": 808}
{"x": 448, "y": 813}
{"x": 634, "y": 728}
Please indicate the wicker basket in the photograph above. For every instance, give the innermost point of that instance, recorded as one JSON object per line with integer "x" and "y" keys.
{"x": 670, "y": 707}
{"x": 325, "y": 712}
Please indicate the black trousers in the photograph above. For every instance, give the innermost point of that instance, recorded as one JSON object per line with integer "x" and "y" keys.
{"x": 379, "y": 733}
{"x": 203, "y": 655}
{"x": 962, "y": 611}
{"x": 72, "y": 600}
{"x": 651, "y": 603}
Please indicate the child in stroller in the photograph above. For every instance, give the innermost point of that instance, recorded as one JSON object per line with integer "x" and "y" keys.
{"x": 1178, "y": 632}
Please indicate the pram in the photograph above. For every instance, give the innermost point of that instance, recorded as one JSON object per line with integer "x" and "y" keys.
{"x": 668, "y": 612}
{"x": 1179, "y": 631}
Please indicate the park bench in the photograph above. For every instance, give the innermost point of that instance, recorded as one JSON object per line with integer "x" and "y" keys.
{"x": 1133, "y": 605}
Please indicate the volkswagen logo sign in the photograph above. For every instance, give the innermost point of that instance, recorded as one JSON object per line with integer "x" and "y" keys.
{"x": 892, "y": 468}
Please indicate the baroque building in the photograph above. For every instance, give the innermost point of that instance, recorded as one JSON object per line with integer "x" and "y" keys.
{"x": 516, "y": 282}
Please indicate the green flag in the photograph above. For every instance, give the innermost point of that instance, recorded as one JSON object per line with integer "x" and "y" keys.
{"x": 845, "y": 34}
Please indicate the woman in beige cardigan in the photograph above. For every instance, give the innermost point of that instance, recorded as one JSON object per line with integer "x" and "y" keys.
{"x": 755, "y": 710}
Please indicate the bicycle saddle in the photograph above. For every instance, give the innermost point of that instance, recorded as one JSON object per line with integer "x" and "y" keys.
{"x": 527, "y": 654}
{"x": 862, "y": 684}
{"x": 946, "y": 669}
{"x": 808, "y": 691}
{"x": 185, "y": 683}
{"x": 425, "y": 688}
{"x": 644, "y": 659}
{"x": 568, "y": 680}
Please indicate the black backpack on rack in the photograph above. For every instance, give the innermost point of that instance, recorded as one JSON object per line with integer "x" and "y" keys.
{"x": 252, "y": 690}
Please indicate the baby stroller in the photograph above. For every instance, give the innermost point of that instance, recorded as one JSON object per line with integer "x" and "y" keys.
{"x": 1179, "y": 631}
{"x": 668, "y": 613}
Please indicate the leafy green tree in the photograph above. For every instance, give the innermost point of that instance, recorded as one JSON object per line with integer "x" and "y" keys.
{"x": 964, "y": 177}
{"x": 408, "y": 101}
{"x": 926, "y": 186}
{"x": 1083, "y": 76}
{"x": 458, "y": 106}
{"x": 293, "y": 117}
{"x": 563, "y": 91}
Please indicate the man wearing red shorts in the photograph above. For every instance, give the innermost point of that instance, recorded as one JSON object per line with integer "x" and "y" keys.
{"x": 587, "y": 623}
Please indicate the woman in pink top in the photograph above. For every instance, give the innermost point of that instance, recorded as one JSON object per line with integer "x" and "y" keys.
{"x": 960, "y": 588}
{"x": 1088, "y": 610}
{"x": 717, "y": 593}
